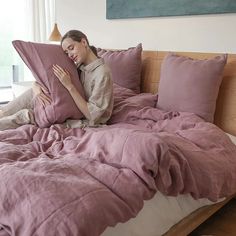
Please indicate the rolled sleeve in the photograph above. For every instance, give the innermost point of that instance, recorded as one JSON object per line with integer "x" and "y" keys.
{"x": 100, "y": 102}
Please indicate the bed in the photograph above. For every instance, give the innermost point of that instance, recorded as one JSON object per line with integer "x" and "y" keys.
{"x": 188, "y": 217}
{"x": 58, "y": 193}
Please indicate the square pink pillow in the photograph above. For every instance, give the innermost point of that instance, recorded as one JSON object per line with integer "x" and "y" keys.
{"x": 125, "y": 66}
{"x": 190, "y": 85}
{"x": 40, "y": 58}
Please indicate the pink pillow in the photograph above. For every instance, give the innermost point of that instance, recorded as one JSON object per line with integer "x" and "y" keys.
{"x": 190, "y": 85}
{"x": 125, "y": 66}
{"x": 40, "y": 58}
{"x": 120, "y": 93}
{"x": 144, "y": 99}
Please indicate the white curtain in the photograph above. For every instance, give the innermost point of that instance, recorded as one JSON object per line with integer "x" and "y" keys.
{"x": 40, "y": 16}
{"x": 41, "y": 19}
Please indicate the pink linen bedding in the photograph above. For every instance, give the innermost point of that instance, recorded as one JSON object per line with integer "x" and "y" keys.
{"x": 57, "y": 181}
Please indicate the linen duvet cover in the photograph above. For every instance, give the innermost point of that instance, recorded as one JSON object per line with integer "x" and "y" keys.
{"x": 61, "y": 181}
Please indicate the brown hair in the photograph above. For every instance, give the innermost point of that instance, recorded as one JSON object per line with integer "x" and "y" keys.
{"x": 77, "y": 35}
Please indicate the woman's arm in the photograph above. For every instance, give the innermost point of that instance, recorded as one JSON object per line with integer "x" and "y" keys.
{"x": 40, "y": 93}
{"x": 65, "y": 79}
{"x": 79, "y": 101}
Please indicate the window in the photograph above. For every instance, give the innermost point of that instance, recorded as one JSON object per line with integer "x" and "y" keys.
{"x": 29, "y": 20}
{"x": 13, "y": 25}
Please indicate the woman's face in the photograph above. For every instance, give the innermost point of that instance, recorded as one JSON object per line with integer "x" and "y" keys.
{"x": 76, "y": 51}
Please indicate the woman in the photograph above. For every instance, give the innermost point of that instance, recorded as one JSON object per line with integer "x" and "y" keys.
{"x": 96, "y": 80}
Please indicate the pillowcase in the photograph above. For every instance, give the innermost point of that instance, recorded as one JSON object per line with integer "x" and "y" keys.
{"x": 40, "y": 58}
{"x": 127, "y": 103}
{"x": 125, "y": 66}
{"x": 190, "y": 85}
{"x": 144, "y": 99}
{"x": 120, "y": 93}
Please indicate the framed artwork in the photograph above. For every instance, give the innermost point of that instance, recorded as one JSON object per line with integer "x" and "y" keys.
{"x": 118, "y": 9}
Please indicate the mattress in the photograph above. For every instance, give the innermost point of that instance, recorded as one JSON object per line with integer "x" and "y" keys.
{"x": 159, "y": 214}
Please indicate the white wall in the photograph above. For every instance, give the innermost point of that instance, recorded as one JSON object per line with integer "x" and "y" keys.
{"x": 206, "y": 33}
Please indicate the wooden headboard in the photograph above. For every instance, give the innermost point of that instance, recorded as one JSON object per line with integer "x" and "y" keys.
{"x": 225, "y": 115}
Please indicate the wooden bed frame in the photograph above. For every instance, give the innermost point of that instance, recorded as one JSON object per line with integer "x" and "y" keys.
{"x": 225, "y": 118}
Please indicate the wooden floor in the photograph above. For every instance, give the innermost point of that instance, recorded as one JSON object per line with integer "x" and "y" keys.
{"x": 222, "y": 223}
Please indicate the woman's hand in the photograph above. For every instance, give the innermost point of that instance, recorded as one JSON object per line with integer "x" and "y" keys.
{"x": 63, "y": 76}
{"x": 40, "y": 93}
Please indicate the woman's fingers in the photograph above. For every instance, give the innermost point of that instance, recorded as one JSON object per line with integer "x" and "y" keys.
{"x": 58, "y": 70}
{"x": 57, "y": 74}
{"x": 63, "y": 76}
{"x": 44, "y": 99}
{"x": 67, "y": 72}
{"x": 41, "y": 93}
{"x": 44, "y": 90}
{"x": 38, "y": 89}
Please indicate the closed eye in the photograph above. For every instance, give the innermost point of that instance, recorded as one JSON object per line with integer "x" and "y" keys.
{"x": 71, "y": 47}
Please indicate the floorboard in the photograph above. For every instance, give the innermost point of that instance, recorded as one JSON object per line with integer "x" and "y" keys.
{"x": 222, "y": 223}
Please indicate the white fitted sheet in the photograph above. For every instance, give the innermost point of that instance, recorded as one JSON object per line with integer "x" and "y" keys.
{"x": 159, "y": 214}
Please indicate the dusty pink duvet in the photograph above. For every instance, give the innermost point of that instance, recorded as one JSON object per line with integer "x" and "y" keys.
{"x": 58, "y": 181}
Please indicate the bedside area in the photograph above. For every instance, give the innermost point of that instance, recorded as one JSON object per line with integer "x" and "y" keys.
{"x": 17, "y": 88}
{"x": 20, "y": 87}
{"x": 6, "y": 95}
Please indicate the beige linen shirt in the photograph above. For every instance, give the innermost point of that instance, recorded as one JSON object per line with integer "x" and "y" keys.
{"x": 98, "y": 88}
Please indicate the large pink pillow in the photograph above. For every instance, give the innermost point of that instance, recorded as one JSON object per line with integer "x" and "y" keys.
{"x": 40, "y": 58}
{"x": 125, "y": 66}
{"x": 190, "y": 85}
